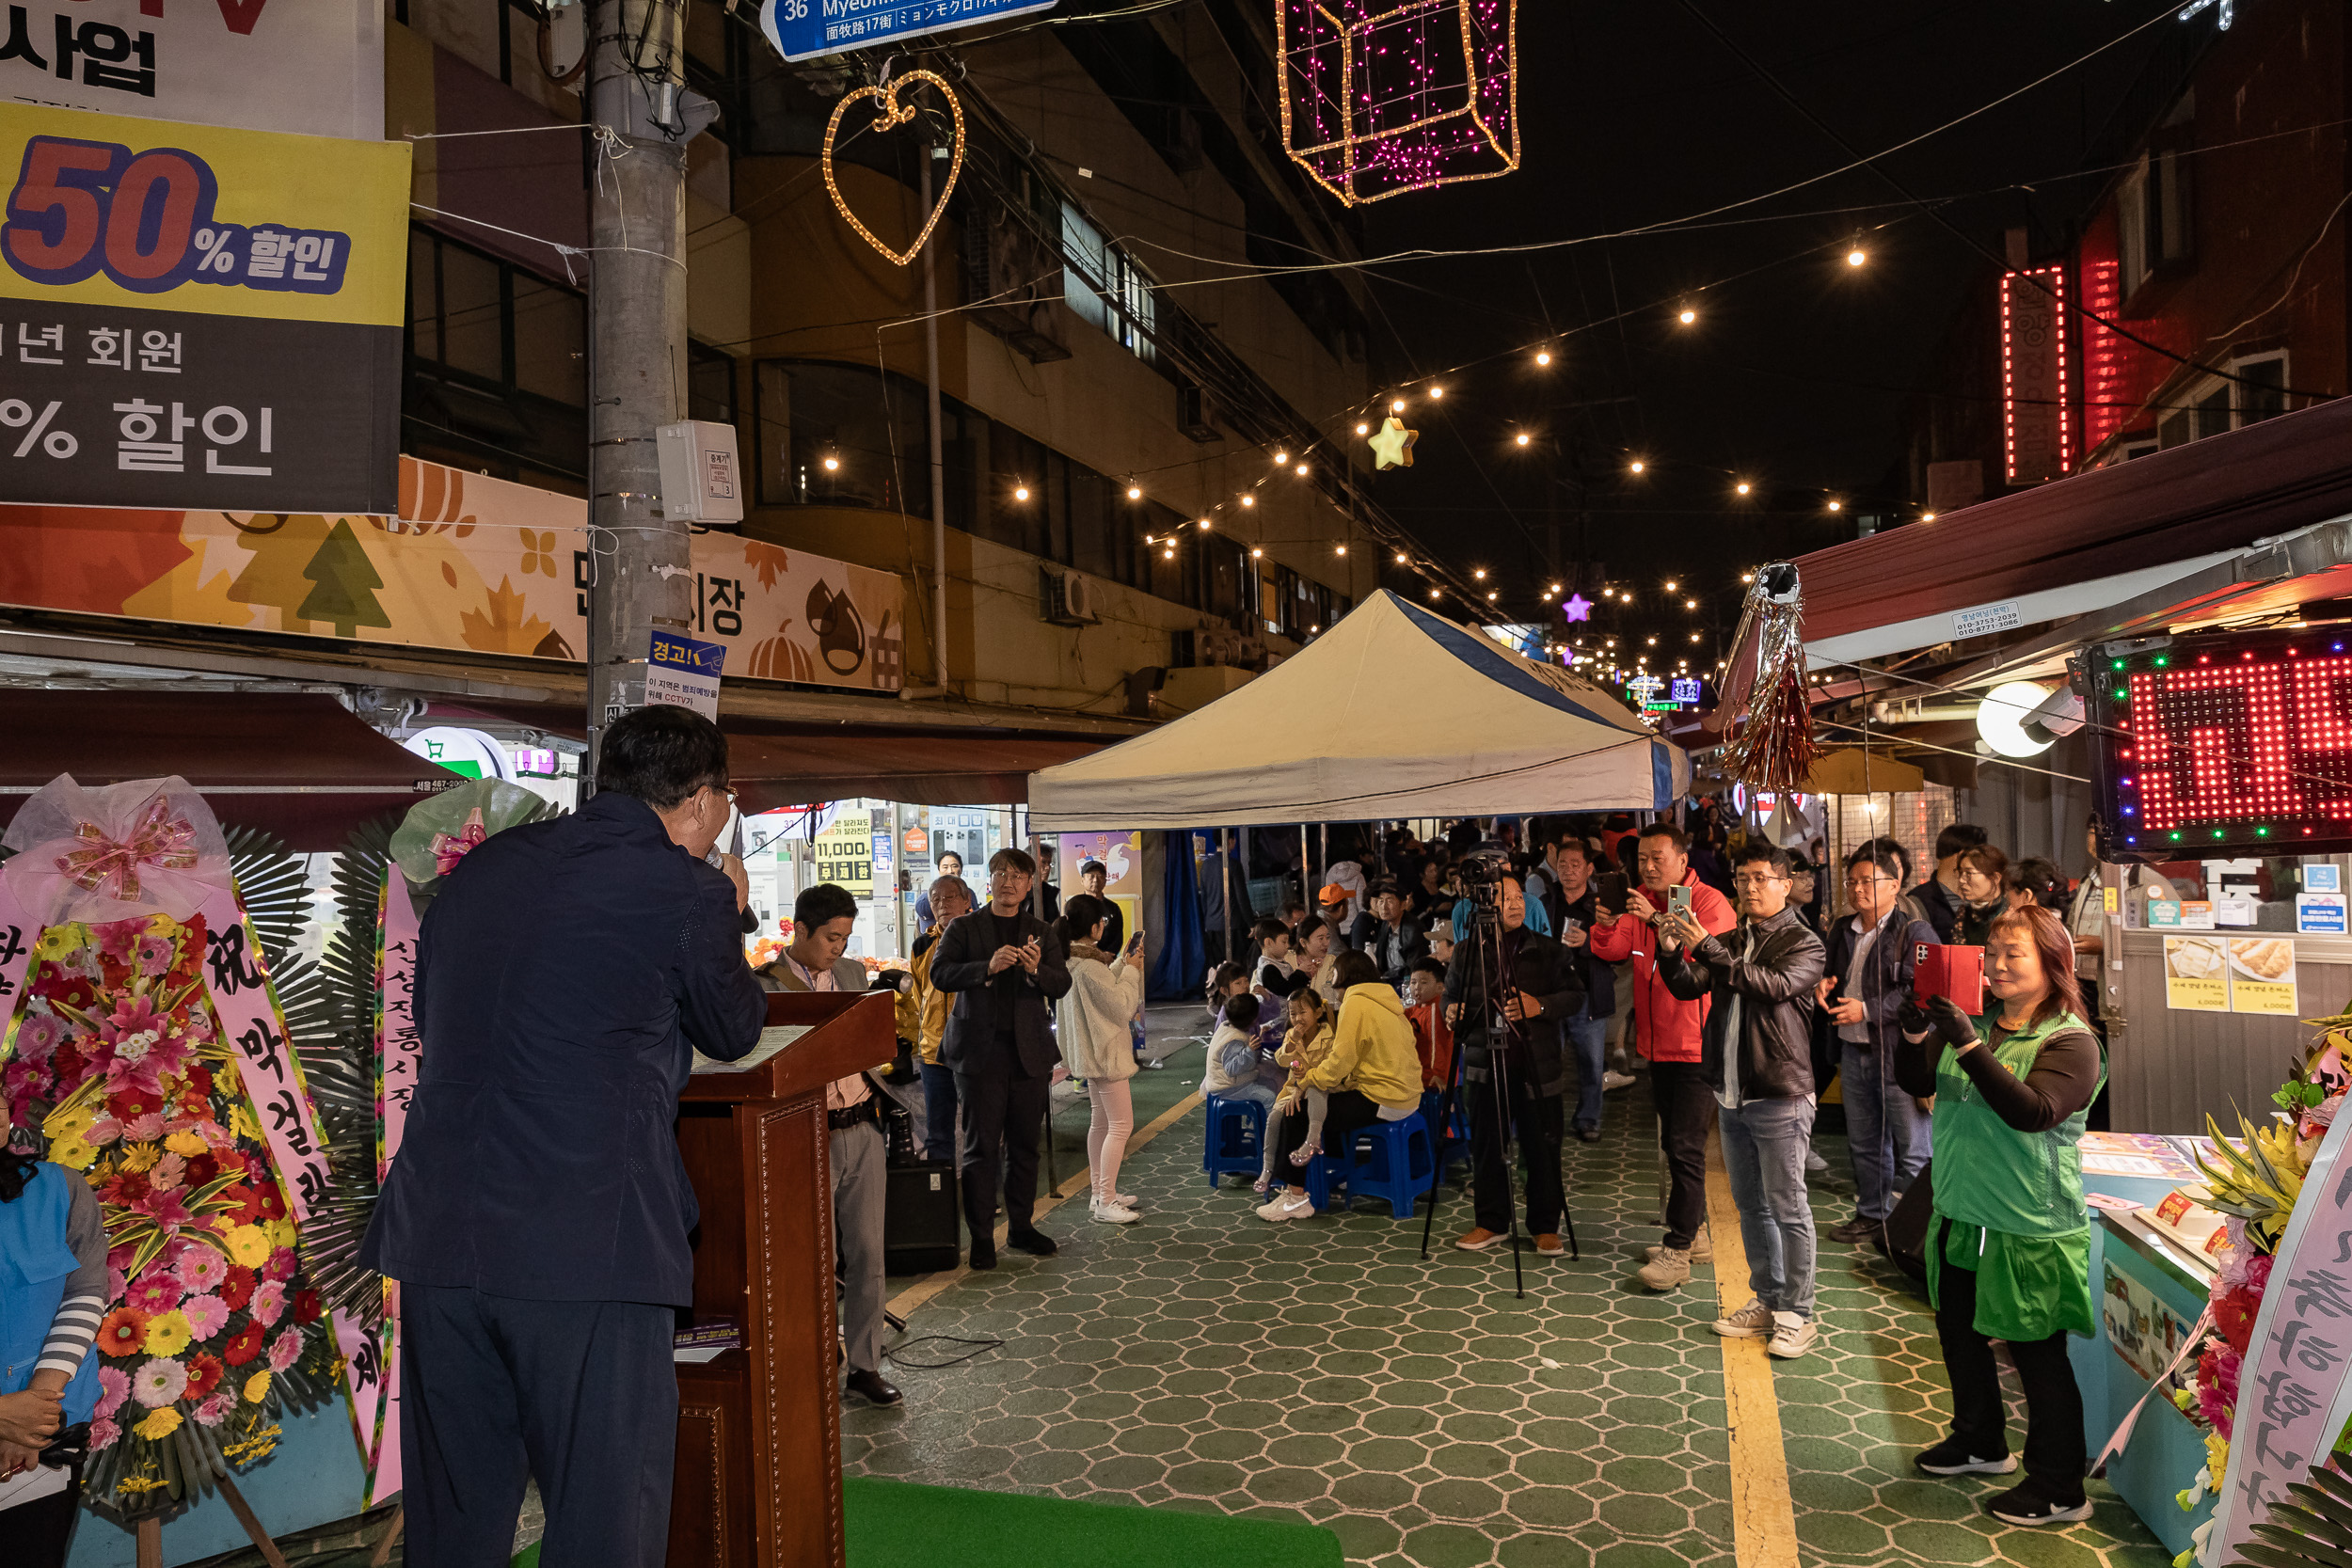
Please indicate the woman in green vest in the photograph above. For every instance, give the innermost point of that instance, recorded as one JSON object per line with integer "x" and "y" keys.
{"x": 2008, "y": 1248}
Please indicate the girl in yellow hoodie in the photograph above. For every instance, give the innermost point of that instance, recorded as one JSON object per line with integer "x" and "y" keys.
{"x": 1370, "y": 1073}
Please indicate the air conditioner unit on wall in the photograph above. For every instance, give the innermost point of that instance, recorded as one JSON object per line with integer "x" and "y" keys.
{"x": 1196, "y": 414}
{"x": 1012, "y": 277}
{"x": 1067, "y": 598}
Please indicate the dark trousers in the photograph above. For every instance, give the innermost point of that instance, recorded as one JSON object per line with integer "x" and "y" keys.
{"x": 2055, "y": 1454}
{"x": 1539, "y": 1120}
{"x": 36, "y": 1534}
{"x": 939, "y": 1112}
{"x": 1003, "y": 1113}
{"x": 1349, "y": 1112}
{"x": 1686, "y": 1109}
{"x": 580, "y": 1395}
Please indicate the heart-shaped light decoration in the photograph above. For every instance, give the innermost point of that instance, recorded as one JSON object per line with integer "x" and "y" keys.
{"x": 891, "y": 114}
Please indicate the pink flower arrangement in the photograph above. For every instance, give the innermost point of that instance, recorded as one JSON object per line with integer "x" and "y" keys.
{"x": 37, "y": 1036}
{"x": 159, "y": 1381}
{"x": 103, "y": 1434}
{"x": 285, "y": 1349}
{"x": 207, "y": 1315}
{"x": 268, "y": 1304}
{"x": 200, "y": 1268}
{"x": 2217, "y": 1371}
{"x": 154, "y": 956}
{"x": 216, "y": 1408}
{"x": 282, "y": 1264}
{"x": 118, "y": 939}
{"x": 114, "y": 1386}
{"x": 156, "y": 1292}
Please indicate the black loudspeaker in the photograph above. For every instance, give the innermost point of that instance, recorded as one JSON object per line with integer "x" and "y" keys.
{"x": 922, "y": 1225}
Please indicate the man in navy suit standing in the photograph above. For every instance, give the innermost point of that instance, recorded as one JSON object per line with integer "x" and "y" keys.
{"x": 537, "y": 1215}
{"x": 1005, "y": 966}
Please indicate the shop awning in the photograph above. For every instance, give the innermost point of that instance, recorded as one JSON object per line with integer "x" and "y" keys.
{"x": 294, "y": 764}
{"x": 781, "y": 762}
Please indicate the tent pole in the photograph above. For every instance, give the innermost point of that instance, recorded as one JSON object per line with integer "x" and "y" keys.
{"x": 1225, "y": 872}
{"x": 1306, "y": 869}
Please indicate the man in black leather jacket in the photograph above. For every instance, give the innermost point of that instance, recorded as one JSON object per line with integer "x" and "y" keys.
{"x": 1543, "y": 987}
{"x": 1757, "y": 1053}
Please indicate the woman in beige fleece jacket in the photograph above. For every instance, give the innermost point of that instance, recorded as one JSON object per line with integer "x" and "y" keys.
{"x": 1091, "y": 1027}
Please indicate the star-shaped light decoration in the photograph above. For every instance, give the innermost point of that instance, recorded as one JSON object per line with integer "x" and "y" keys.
{"x": 1577, "y": 607}
{"x": 1392, "y": 448}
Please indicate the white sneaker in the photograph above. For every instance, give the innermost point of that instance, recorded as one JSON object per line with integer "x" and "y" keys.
{"x": 1610, "y": 1081}
{"x": 1792, "y": 1335}
{"x": 1752, "y": 1321}
{"x": 1127, "y": 1202}
{"x": 1284, "y": 1207}
{"x": 1113, "y": 1214}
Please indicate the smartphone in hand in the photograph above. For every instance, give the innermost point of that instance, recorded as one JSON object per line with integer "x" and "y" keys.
{"x": 1678, "y": 900}
{"x": 1613, "y": 887}
{"x": 1135, "y": 941}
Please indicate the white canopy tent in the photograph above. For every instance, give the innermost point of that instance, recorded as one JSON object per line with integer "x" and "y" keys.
{"x": 1394, "y": 712}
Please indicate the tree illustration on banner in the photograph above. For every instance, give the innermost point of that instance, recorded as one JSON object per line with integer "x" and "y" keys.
{"x": 282, "y": 544}
{"x": 346, "y": 595}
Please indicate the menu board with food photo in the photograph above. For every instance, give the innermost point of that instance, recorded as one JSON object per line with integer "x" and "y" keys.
{"x": 2196, "y": 975}
{"x": 2262, "y": 975}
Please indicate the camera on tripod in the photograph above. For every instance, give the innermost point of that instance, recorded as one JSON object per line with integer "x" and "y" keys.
{"x": 1481, "y": 871}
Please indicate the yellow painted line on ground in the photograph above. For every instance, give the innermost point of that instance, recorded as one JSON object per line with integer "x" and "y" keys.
{"x": 931, "y": 1285}
{"x": 1763, "y": 1515}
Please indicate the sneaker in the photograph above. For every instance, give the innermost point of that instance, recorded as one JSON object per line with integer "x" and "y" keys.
{"x": 1477, "y": 1238}
{"x": 1752, "y": 1321}
{"x": 1127, "y": 1201}
{"x": 1548, "y": 1245}
{"x": 1670, "y": 1268}
{"x": 1702, "y": 1249}
{"x": 1113, "y": 1214}
{"x": 2026, "y": 1503}
{"x": 1815, "y": 1164}
{"x": 1284, "y": 1207}
{"x": 1952, "y": 1458}
{"x": 1792, "y": 1335}
{"x": 1614, "y": 1080}
{"x": 1853, "y": 1232}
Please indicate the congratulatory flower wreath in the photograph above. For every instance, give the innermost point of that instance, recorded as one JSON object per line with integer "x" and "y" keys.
{"x": 116, "y": 1057}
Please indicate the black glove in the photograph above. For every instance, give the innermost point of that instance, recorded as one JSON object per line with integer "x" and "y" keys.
{"x": 1913, "y": 1020}
{"x": 1956, "y": 1027}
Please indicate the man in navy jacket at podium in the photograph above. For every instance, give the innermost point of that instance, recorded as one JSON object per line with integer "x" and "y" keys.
{"x": 537, "y": 1215}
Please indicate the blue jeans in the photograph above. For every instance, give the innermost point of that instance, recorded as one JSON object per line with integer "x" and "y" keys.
{"x": 1764, "y": 1144}
{"x": 1590, "y": 1036}
{"x": 939, "y": 1113}
{"x": 1885, "y": 1129}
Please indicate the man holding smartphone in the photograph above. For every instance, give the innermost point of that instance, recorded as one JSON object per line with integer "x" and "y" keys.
{"x": 1004, "y": 967}
{"x": 1666, "y": 1032}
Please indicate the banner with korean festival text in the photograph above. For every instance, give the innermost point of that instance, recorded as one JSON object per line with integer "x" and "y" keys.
{"x": 195, "y": 316}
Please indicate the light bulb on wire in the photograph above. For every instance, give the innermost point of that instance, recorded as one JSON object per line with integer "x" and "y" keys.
{"x": 1135, "y": 492}
{"x": 1302, "y": 471}
{"x": 1019, "y": 492}
{"x": 1836, "y": 506}
{"x": 1249, "y": 501}
{"x": 1543, "y": 357}
{"x": 1855, "y": 257}
{"x": 1523, "y": 438}
{"x": 1744, "y": 487}
{"x": 832, "y": 465}
{"x": 1281, "y": 458}
{"x": 1640, "y": 467}
{"x": 1688, "y": 316}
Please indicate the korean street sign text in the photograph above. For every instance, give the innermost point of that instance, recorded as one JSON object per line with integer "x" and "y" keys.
{"x": 802, "y": 29}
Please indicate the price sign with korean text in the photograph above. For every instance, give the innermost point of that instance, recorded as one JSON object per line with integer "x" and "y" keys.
{"x": 2225, "y": 745}
{"x": 199, "y": 317}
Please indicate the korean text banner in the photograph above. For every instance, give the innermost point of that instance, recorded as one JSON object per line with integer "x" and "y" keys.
{"x": 199, "y": 317}
{"x": 316, "y": 67}
{"x": 470, "y": 563}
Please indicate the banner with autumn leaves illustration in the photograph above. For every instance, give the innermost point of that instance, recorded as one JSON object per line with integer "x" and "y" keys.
{"x": 471, "y": 562}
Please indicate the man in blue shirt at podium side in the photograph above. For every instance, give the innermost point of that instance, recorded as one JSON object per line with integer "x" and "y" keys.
{"x": 537, "y": 1215}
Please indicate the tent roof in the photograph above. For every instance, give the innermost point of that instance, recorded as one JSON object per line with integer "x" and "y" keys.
{"x": 1393, "y": 712}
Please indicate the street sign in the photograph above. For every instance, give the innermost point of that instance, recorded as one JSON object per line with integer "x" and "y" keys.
{"x": 804, "y": 29}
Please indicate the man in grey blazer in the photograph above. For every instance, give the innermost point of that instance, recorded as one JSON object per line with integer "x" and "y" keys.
{"x": 1004, "y": 967}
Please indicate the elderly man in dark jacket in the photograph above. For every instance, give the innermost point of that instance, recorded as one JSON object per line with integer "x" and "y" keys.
{"x": 1004, "y": 967}
{"x": 1758, "y": 1055}
{"x": 1542, "y": 988}
{"x": 537, "y": 1216}
{"x": 1871, "y": 956}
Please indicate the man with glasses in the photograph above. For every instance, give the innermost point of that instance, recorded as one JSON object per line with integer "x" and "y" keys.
{"x": 1868, "y": 980}
{"x": 1005, "y": 966}
{"x": 1758, "y": 1059}
{"x": 539, "y": 1213}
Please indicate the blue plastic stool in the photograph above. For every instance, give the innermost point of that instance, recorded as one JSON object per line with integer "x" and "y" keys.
{"x": 1236, "y": 1138}
{"x": 1320, "y": 1177}
{"x": 1392, "y": 1160}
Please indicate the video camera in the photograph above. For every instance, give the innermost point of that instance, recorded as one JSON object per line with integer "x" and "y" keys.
{"x": 1481, "y": 871}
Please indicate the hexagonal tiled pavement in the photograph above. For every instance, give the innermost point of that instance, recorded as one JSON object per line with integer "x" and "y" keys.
{"x": 1205, "y": 1359}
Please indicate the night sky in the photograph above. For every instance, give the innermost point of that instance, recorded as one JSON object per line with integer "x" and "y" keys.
{"x": 1796, "y": 375}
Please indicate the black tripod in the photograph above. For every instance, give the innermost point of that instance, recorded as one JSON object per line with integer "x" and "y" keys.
{"x": 1489, "y": 989}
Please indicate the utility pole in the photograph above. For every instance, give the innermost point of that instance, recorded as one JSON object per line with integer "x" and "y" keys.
{"x": 640, "y": 573}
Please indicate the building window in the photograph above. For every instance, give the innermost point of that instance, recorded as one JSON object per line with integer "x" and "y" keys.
{"x": 2261, "y": 390}
{"x": 710, "y": 384}
{"x": 2152, "y": 214}
{"x": 1105, "y": 286}
{"x": 497, "y": 366}
{"x": 2214, "y": 405}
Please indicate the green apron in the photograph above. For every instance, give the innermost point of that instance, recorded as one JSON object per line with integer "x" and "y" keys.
{"x": 2013, "y": 1201}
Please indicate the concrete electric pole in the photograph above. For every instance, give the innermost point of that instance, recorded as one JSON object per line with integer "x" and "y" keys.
{"x": 640, "y": 575}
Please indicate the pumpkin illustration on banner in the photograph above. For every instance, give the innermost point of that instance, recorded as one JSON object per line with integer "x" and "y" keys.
{"x": 1381, "y": 97}
{"x": 145, "y": 1049}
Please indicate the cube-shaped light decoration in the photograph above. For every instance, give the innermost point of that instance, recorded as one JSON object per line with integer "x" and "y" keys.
{"x": 1381, "y": 97}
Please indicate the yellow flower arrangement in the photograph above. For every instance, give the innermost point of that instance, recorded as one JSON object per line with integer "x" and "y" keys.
{"x": 257, "y": 1388}
{"x": 242, "y": 1120}
{"x": 69, "y": 1123}
{"x": 58, "y": 941}
{"x": 168, "y": 1333}
{"x": 72, "y": 1153}
{"x": 159, "y": 1424}
{"x": 141, "y": 1157}
{"x": 281, "y": 1232}
{"x": 162, "y": 926}
{"x": 186, "y": 1143}
{"x": 248, "y": 1244}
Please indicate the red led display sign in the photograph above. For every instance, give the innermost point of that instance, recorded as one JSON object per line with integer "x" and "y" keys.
{"x": 2241, "y": 743}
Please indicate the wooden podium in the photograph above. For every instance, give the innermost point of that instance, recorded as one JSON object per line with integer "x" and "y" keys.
{"x": 759, "y": 1477}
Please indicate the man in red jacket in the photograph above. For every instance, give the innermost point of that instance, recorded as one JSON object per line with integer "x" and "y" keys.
{"x": 1667, "y": 1031}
